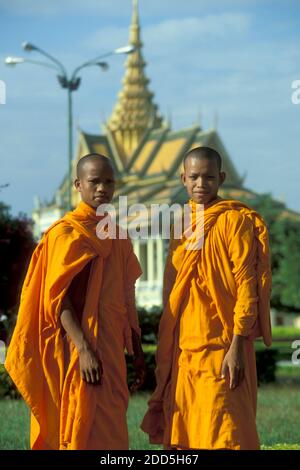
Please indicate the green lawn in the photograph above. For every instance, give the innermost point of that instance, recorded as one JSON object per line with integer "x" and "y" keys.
{"x": 278, "y": 414}
{"x": 278, "y": 420}
{"x": 14, "y": 432}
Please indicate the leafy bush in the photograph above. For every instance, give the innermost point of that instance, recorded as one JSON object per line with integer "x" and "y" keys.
{"x": 7, "y": 387}
{"x": 266, "y": 365}
{"x": 149, "y": 322}
{"x": 265, "y": 358}
{"x": 149, "y": 383}
{"x": 265, "y": 361}
{"x": 285, "y": 332}
{"x": 16, "y": 247}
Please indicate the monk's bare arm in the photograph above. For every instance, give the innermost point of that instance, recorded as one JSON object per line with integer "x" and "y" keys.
{"x": 71, "y": 324}
{"x": 90, "y": 365}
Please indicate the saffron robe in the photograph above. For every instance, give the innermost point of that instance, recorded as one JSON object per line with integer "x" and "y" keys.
{"x": 66, "y": 412}
{"x": 211, "y": 294}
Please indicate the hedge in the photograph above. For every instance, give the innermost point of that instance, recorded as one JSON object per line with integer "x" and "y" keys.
{"x": 265, "y": 358}
{"x": 265, "y": 361}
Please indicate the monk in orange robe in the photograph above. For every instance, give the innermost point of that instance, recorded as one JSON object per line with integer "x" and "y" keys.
{"x": 216, "y": 301}
{"x": 77, "y": 314}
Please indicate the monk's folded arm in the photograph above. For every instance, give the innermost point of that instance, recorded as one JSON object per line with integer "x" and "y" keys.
{"x": 243, "y": 255}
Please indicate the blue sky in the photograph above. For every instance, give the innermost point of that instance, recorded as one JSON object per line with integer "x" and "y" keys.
{"x": 236, "y": 58}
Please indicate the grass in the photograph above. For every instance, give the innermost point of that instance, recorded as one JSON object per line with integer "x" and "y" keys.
{"x": 278, "y": 424}
{"x": 278, "y": 414}
{"x": 281, "y": 447}
{"x": 14, "y": 425}
{"x": 137, "y": 408}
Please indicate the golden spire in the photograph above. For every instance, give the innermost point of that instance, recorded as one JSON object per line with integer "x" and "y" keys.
{"x": 134, "y": 111}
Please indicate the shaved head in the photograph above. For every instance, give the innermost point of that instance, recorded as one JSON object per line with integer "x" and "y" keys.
{"x": 204, "y": 153}
{"x": 202, "y": 175}
{"x": 95, "y": 179}
{"x": 91, "y": 157}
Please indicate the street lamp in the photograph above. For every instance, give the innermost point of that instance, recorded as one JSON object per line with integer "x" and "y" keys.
{"x": 71, "y": 84}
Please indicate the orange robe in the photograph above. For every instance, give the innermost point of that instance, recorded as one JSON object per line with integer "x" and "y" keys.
{"x": 210, "y": 294}
{"x": 66, "y": 412}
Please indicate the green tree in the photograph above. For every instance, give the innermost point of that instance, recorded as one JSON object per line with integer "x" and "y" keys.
{"x": 16, "y": 247}
{"x": 284, "y": 232}
{"x": 286, "y": 279}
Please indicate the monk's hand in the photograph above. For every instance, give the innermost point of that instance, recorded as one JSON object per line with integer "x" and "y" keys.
{"x": 140, "y": 372}
{"x": 91, "y": 370}
{"x": 233, "y": 363}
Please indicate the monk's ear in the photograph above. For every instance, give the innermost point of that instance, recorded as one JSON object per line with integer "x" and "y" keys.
{"x": 77, "y": 185}
{"x": 222, "y": 177}
{"x": 183, "y": 178}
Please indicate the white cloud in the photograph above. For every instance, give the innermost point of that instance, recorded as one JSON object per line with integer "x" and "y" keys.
{"x": 177, "y": 34}
{"x": 187, "y": 30}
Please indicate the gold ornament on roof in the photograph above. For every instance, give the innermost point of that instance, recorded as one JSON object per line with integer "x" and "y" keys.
{"x": 134, "y": 112}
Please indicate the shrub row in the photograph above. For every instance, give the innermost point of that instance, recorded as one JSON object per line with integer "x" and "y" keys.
{"x": 265, "y": 358}
{"x": 266, "y": 372}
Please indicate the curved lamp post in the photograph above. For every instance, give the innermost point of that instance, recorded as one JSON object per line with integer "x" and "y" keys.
{"x": 71, "y": 84}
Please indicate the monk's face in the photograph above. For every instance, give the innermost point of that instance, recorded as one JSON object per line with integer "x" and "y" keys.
{"x": 96, "y": 183}
{"x": 202, "y": 179}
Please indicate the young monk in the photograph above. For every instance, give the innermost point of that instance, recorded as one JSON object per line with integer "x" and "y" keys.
{"x": 216, "y": 300}
{"x": 77, "y": 313}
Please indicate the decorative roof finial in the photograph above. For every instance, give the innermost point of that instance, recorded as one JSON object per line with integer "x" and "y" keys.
{"x": 134, "y": 112}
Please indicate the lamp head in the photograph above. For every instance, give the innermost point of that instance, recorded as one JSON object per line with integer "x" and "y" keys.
{"x": 28, "y": 46}
{"x": 14, "y": 60}
{"x": 125, "y": 50}
{"x": 103, "y": 65}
